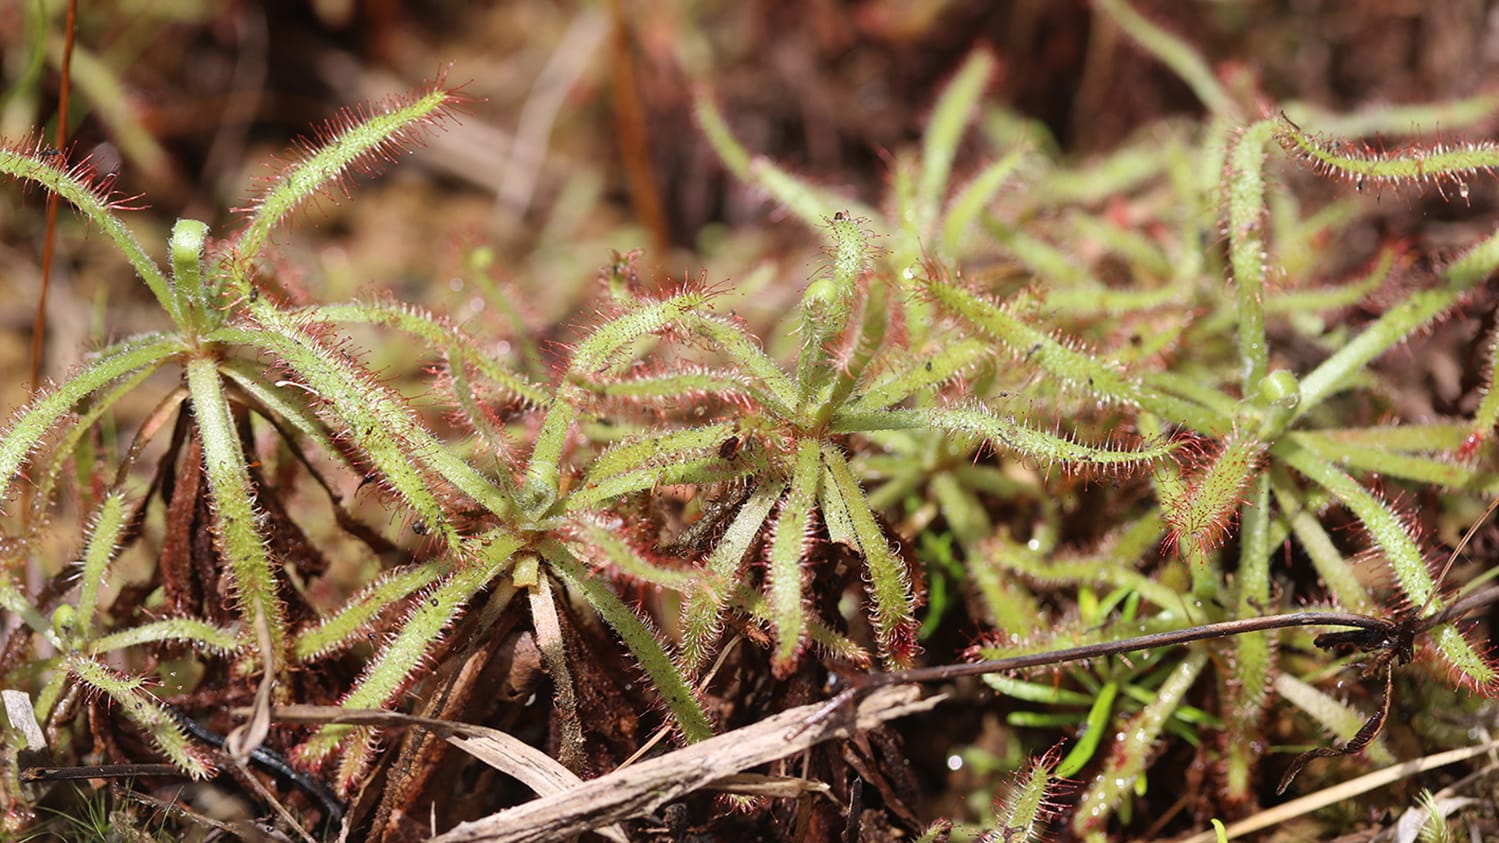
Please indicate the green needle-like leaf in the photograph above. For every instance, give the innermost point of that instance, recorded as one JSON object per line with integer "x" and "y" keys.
{"x": 788, "y": 547}
{"x": 236, "y": 523}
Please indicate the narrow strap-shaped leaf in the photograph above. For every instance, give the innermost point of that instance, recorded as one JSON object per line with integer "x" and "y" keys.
{"x": 706, "y": 469}
{"x": 1449, "y": 162}
{"x": 947, "y": 361}
{"x": 683, "y": 385}
{"x": 131, "y": 697}
{"x": 75, "y": 186}
{"x": 975, "y": 195}
{"x": 103, "y": 544}
{"x": 1390, "y": 532}
{"x": 1486, "y": 417}
{"x": 1245, "y": 189}
{"x": 657, "y": 449}
{"x": 1006, "y": 602}
{"x": 860, "y": 351}
{"x": 893, "y": 610}
{"x": 378, "y": 422}
{"x": 1091, "y": 733}
{"x": 807, "y": 202}
{"x": 1398, "y": 322}
{"x": 1414, "y": 119}
{"x": 13, "y": 600}
{"x": 788, "y": 550}
{"x": 1443, "y": 471}
{"x": 1409, "y": 438}
{"x": 1137, "y": 247}
{"x": 1341, "y": 580}
{"x": 1070, "y": 365}
{"x": 827, "y": 308}
{"x": 604, "y": 546}
{"x": 1206, "y": 505}
{"x": 835, "y": 515}
{"x": 1194, "y": 389}
{"x": 1008, "y": 432}
{"x": 605, "y": 349}
{"x": 396, "y": 664}
{"x": 40, "y": 417}
{"x": 1127, "y": 759}
{"x": 43, "y": 476}
{"x": 703, "y": 605}
{"x": 192, "y": 630}
{"x": 1173, "y": 52}
{"x": 1254, "y": 654}
{"x": 830, "y": 641}
{"x": 949, "y": 120}
{"x": 236, "y": 522}
{"x": 1056, "y": 266}
{"x": 1395, "y": 537}
{"x": 1337, "y": 717}
{"x": 442, "y": 335}
{"x": 1118, "y": 173}
{"x": 1334, "y": 297}
{"x": 1091, "y": 298}
{"x": 774, "y": 388}
{"x": 1026, "y": 809}
{"x": 359, "y": 139}
{"x": 643, "y": 641}
{"x": 281, "y": 401}
{"x": 350, "y": 623}
{"x": 543, "y": 483}
{"x": 1088, "y": 569}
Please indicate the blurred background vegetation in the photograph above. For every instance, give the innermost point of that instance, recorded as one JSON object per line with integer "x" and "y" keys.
{"x": 579, "y": 140}
{"x": 580, "y": 137}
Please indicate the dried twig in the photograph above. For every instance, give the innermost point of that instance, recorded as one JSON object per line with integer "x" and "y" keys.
{"x": 645, "y": 787}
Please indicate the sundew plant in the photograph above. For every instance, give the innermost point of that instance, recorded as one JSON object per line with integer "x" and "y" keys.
{"x": 1123, "y": 403}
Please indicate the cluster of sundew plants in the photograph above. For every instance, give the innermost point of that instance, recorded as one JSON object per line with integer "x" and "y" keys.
{"x": 254, "y": 368}
{"x": 907, "y": 366}
{"x": 1199, "y": 246}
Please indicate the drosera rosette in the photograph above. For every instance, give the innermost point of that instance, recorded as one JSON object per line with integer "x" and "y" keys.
{"x": 246, "y": 365}
{"x": 786, "y": 449}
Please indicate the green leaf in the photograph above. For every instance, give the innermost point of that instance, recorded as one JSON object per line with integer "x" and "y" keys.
{"x": 643, "y": 641}
{"x": 483, "y": 558}
{"x": 355, "y": 618}
{"x": 788, "y": 547}
{"x": 1173, "y": 52}
{"x": 237, "y": 528}
{"x": 703, "y": 604}
{"x": 359, "y": 139}
{"x": 945, "y": 128}
{"x": 142, "y": 709}
{"x": 892, "y": 609}
{"x": 103, "y": 545}
{"x": 47, "y": 411}
{"x": 1047, "y": 449}
{"x": 79, "y": 187}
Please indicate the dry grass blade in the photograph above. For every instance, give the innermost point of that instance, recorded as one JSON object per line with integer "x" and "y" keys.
{"x": 646, "y": 787}
{"x": 527, "y": 764}
{"x": 523, "y": 762}
{"x": 249, "y": 736}
{"x": 1272, "y": 817}
{"x": 779, "y": 787}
